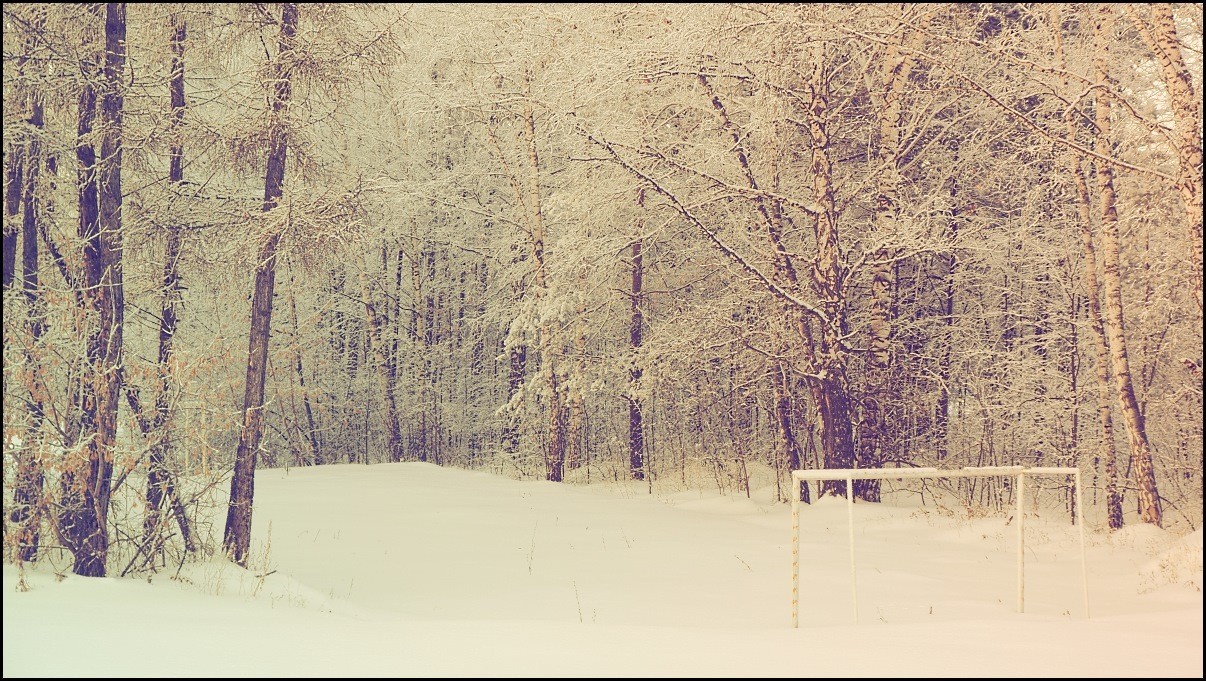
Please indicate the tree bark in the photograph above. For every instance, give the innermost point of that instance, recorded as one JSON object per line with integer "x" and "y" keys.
{"x": 943, "y": 407}
{"x": 374, "y": 324}
{"x": 828, "y": 274}
{"x": 158, "y": 479}
{"x": 555, "y": 445}
{"x": 1141, "y": 453}
{"x": 790, "y": 447}
{"x": 84, "y": 520}
{"x": 785, "y": 276}
{"x": 1159, "y": 31}
{"x": 1105, "y": 449}
{"x": 636, "y": 424}
{"x": 888, "y": 95}
{"x": 28, "y": 483}
{"x": 236, "y": 540}
{"x": 311, "y": 427}
{"x": 517, "y": 362}
{"x": 13, "y": 186}
{"x": 168, "y": 487}
{"x": 575, "y": 450}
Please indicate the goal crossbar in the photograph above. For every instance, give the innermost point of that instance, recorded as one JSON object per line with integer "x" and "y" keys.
{"x": 852, "y": 474}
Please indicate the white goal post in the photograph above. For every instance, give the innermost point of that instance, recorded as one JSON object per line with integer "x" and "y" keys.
{"x": 852, "y": 474}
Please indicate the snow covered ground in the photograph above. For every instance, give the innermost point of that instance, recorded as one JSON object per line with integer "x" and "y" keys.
{"x": 416, "y": 570}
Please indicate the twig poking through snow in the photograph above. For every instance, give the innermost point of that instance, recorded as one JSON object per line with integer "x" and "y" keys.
{"x": 532, "y": 549}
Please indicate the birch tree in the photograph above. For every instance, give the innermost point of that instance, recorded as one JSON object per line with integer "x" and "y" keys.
{"x": 1141, "y": 451}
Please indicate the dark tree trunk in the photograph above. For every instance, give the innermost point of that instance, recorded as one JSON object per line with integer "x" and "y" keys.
{"x": 311, "y": 427}
{"x": 831, "y": 388}
{"x": 236, "y": 540}
{"x": 836, "y": 433}
{"x": 84, "y": 521}
{"x": 787, "y": 436}
{"x": 374, "y": 324}
{"x": 76, "y": 499}
{"x": 554, "y": 461}
{"x": 422, "y": 325}
{"x": 158, "y": 479}
{"x": 13, "y": 184}
{"x": 942, "y": 409}
{"x": 168, "y": 488}
{"x": 516, "y": 374}
{"x": 872, "y": 435}
{"x": 636, "y": 426}
{"x": 26, "y": 515}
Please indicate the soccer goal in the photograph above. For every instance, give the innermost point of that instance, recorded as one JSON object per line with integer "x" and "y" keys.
{"x": 1020, "y": 473}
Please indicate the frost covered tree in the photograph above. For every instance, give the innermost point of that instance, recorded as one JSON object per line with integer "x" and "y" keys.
{"x": 310, "y": 67}
{"x": 677, "y": 244}
{"x": 237, "y": 536}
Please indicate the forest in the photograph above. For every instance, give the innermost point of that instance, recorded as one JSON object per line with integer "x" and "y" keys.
{"x": 578, "y": 243}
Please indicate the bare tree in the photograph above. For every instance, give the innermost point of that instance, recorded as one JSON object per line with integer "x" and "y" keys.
{"x": 1158, "y": 27}
{"x": 1141, "y": 451}
{"x": 83, "y": 521}
{"x": 1084, "y": 202}
{"x": 28, "y": 485}
{"x": 237, "y": 536}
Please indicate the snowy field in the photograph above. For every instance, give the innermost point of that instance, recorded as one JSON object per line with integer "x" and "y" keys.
{"x": 415, "y": 570}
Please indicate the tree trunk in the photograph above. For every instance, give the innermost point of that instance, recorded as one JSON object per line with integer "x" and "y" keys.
{"x": 786, "y": 276}
{"x": 517, "y": 362}
{"x": 429, "y": 421}
{"x": 874, "y": 436}
{"x": 790, "y": 452}
{"x": 75, "y": 492}
{"x": 1101, "y": 348}
{"x": 636, "y": 424}
{"x": 1105, "y": 449}
{"x": 555, "y": 444}
{"x": 943, "y": 406}
{"x": 13, "y": 184}
{"x": 311, "y": 428}
{"x": 1141, "y": 453}
{"x": 168, "y": 487}
{"x": 158, "y": 478}
{"x": 236, "y": 538}
{"x": 828, "y": 273}
{"x": 84, "y": 520}
{"x": 575, "y": 452}
{"x": 26, "y": 514}
{"x": 420, "y": 323}
{"x": 385, "y": 371}
{"x": 555, "y": 447}
{"x": 1159, "y": 31}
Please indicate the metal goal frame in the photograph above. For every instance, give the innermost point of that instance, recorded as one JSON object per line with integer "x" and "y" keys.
{"x": 851, "y": 474}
